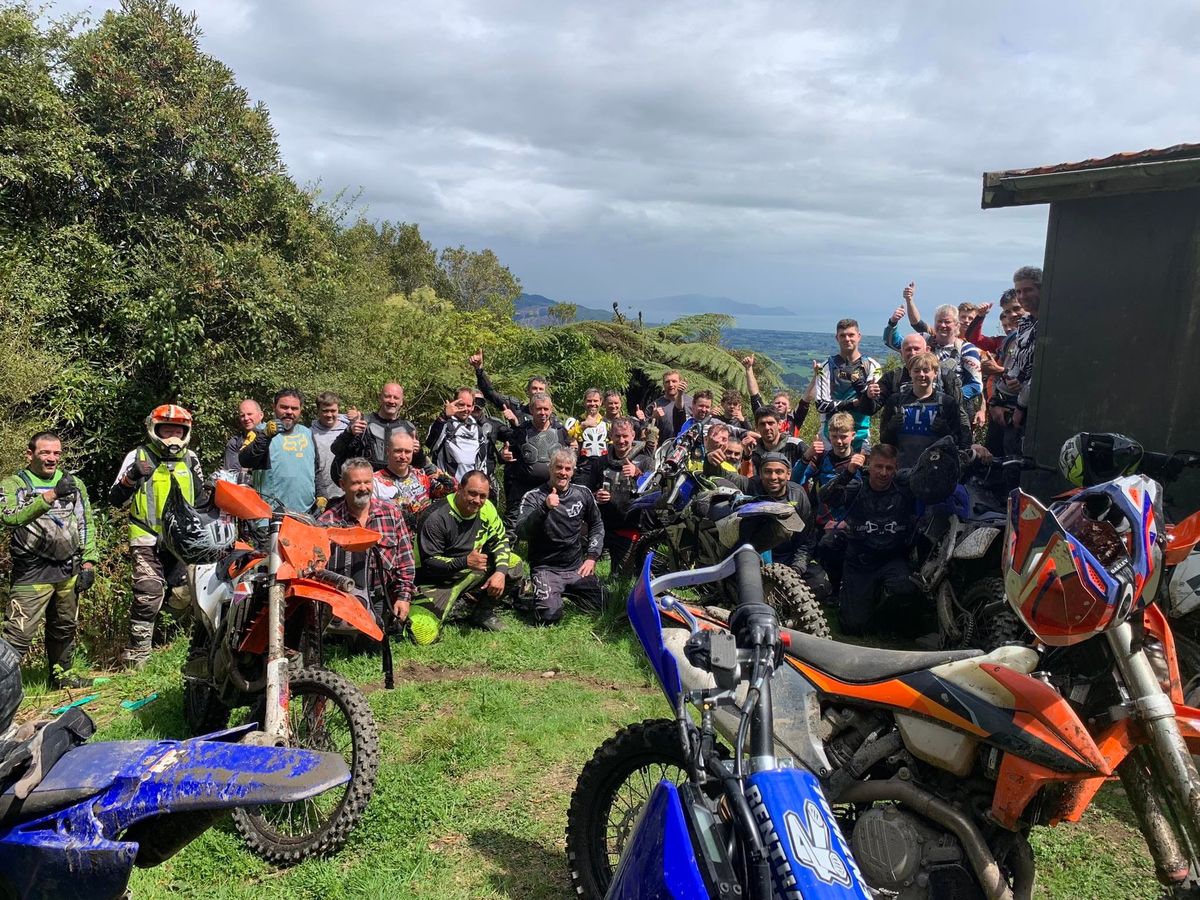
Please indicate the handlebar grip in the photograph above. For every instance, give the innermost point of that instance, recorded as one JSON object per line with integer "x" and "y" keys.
{"x": 749, "y": 576}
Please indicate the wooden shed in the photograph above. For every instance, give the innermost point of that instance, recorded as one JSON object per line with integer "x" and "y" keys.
{"x": 1119, "y": 325}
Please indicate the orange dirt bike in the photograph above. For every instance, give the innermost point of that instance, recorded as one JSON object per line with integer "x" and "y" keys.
{"x": 939, "y": 764}
{"x": 260, "y": 614}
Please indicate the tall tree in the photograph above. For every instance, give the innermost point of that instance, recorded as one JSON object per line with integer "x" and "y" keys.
{"x": 476, "y": 279}
{"x": 562, "y": 313}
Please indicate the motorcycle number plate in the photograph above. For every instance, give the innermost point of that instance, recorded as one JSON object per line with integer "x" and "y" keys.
{"x": 1184, "y": 588}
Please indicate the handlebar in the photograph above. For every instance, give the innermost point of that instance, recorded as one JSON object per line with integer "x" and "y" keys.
{"x": 1166, "y": 467}
{"x": 743, "y": 562}
{"x": 749, "y": 575}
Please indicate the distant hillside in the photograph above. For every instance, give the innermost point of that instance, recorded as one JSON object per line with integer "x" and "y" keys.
{"x": 531, "y": 309}
{"x": 667, "y": 308}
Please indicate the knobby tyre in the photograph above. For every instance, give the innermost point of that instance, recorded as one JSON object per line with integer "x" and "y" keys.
{"x": 610, "y": 793}
{"x": 996, "y": 623}
{"x": 785, "y": 592}
{"x": 327, "y": 713}
{"x": 203, "y": 711}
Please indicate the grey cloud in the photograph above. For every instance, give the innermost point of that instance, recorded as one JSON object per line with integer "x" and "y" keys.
{"x": 735, "y": 143}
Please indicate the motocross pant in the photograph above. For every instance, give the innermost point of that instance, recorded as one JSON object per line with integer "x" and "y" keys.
{"x": 157, "y": 576}
{"x": 550, "y": 585}
{"x": 859, "y": 607}
{"x": 58, "y": 605}
{"x": 830, "y": 553}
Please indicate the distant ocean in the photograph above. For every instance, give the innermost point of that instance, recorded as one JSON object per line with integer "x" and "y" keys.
{"x": 807, "y": 345}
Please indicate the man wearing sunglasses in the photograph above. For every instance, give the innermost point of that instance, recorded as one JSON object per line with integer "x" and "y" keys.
{"x": 463, "y": 438}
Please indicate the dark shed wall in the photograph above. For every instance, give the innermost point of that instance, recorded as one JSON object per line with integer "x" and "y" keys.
{"x": 1119, "y": 331}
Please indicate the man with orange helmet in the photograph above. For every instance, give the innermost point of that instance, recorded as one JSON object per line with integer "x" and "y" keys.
{"x": 143, "y": 482}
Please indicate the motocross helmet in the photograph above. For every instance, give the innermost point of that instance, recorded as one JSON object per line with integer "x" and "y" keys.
{"x": 169, "y": 414}
{"x": 1087, "y": 459}
{"x": 423, "y": 624}
{"x": 11, "y": 690}
{"x": 1086, "y": 564}
{"x": 195, "y": 534}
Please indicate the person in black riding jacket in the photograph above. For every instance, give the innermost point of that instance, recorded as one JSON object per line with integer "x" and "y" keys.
{"x": 561, "y": 520}
{"x": 527, "y": 452}
{"x": 773, "y": 482}
{"x": 613, "y": 479}
{"x": 463, "y": 438}
{"x": 879, "y": 517}
{"x": 920, "y": 413}
{"x": 893, "y": 380}
{"x": 369, "y": 436}
{"x": 513, "y": 410}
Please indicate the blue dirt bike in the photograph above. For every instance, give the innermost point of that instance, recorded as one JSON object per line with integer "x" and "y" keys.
{"x": 752, "y": 826}
{"x": 690, "y": 520}
{"x": 75, "y": 818}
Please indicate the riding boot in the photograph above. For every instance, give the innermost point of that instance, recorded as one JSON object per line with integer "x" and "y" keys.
{"x": 141, "y": 639}
{"x": 59, "y": 658}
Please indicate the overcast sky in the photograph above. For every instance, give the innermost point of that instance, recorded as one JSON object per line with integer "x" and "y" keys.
{"x": 816, "y": 156}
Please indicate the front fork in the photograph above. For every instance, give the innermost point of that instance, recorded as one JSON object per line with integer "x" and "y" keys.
{"x": 275, "y": 722}
{"x": 1153, "y": 708}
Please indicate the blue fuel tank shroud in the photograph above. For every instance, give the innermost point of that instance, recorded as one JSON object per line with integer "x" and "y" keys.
{"x": 809, "y": 856}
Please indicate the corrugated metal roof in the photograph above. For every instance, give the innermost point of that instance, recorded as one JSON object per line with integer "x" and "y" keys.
{"x": 1169, "y": 169}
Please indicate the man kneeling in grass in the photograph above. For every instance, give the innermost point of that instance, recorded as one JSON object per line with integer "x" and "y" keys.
{"x": 562, "y": 523}
{"x": 466, "y": 562}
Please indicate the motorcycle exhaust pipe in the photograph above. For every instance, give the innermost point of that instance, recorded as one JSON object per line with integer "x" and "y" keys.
{"x": 983, "y": 861}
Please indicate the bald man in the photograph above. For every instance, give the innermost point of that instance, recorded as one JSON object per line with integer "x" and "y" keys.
{"x": 915, "y": 344}
{"x": 368, "y": 436}
{"x": 249, "y": 416}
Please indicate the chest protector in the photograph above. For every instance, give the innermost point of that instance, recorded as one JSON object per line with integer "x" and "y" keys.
{"x": 56, "y": 535}
{"x": 145, "y": 509}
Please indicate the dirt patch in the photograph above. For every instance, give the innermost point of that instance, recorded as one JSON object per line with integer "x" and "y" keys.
{"x": 428, "y": 672}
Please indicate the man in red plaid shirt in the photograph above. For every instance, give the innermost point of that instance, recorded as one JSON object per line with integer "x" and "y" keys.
{"x": 387, "y": 568}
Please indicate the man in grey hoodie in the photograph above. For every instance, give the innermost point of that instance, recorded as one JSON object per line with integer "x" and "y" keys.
{"x": 330, "y": 423}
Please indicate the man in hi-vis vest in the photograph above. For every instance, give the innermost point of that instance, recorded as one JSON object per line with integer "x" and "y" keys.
{"x": 143, "y": 481}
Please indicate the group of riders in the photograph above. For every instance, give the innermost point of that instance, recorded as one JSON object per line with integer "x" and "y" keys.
{"x": 492, "y": 473}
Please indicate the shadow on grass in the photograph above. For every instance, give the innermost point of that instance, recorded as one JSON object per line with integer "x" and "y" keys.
{"x": 528, "y": 869}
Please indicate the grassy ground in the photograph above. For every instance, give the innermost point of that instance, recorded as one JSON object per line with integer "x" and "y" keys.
{"x": 482, "y": 740}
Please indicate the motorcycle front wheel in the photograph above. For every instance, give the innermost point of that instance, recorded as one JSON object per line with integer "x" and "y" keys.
{"x": 326, "y": 713}
{"x": 609, "y": 795}
{"x": 786, "y": 593}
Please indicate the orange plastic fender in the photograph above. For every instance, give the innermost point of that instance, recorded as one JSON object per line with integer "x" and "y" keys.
{"x": 302, "y": 548}
{"x": 240, "y": 501}
{"x": 355, "y": 538}
{"x": 345, "y": 606}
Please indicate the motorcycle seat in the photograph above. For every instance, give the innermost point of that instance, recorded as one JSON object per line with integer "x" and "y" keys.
{"x": 861, "y": 665}
{"x": 65, "y": 769}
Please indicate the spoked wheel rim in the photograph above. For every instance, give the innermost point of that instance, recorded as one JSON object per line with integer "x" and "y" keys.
{"x": 315, "y": 722}
{"x": 325, "y": 713}
{"x": 627, "y": 802}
